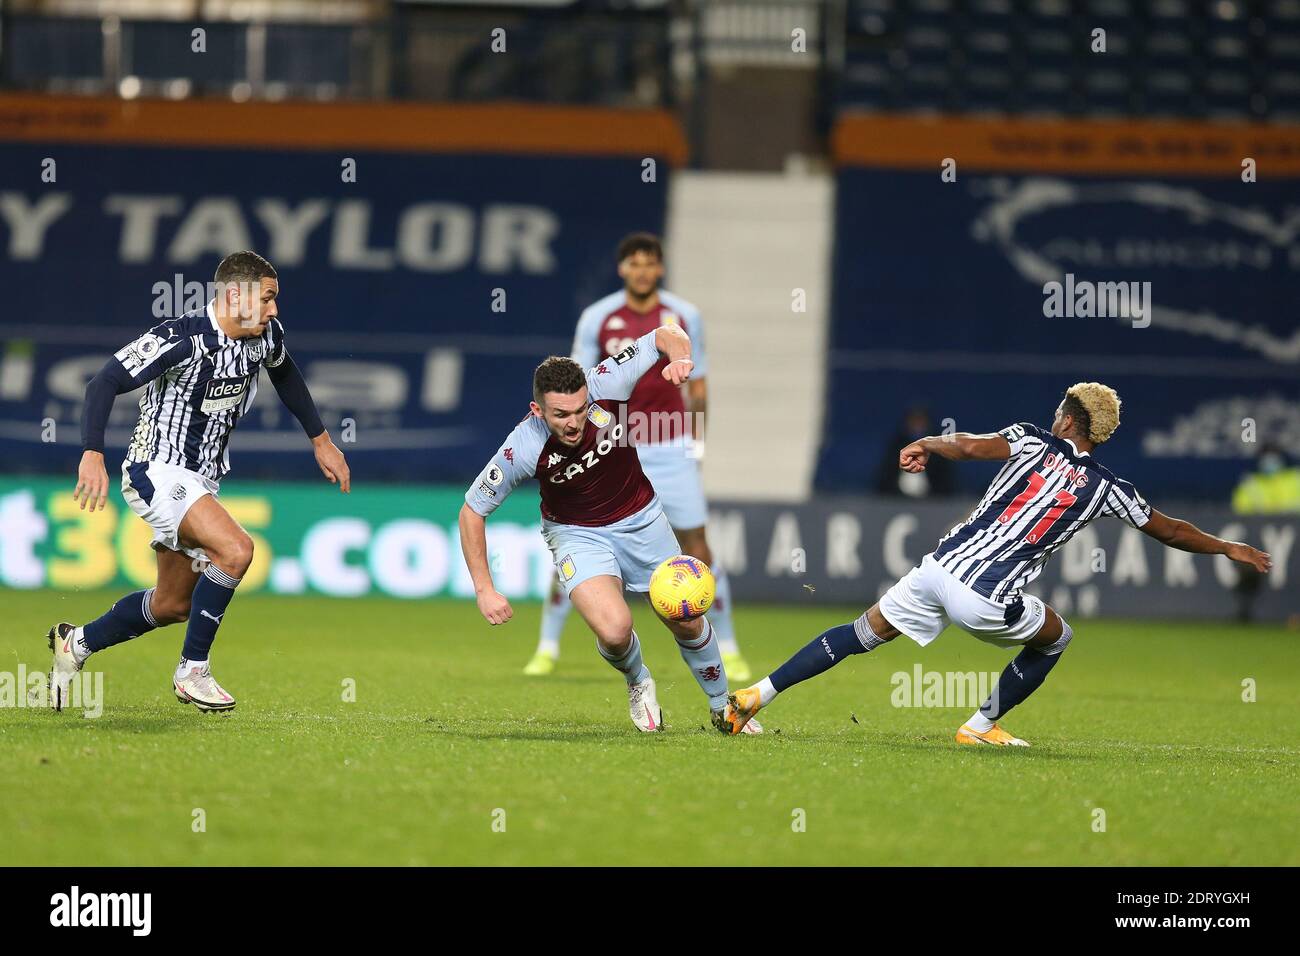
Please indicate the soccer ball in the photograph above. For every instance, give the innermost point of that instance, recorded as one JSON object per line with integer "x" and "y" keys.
{"x": 682, "y": 588}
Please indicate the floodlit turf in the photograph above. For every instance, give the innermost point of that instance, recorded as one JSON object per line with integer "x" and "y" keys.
{"x": 1143, "y": 721}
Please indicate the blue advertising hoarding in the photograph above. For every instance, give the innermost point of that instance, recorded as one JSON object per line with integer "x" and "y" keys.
{"x": 428, "y": 260}
{"x": 980, "y": 282}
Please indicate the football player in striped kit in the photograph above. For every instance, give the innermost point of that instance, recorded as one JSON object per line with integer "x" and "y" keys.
{"x": 200, "y": 374}
{"x": 1049, "y": 488}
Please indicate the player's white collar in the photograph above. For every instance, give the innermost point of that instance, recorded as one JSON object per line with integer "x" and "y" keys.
{"x": 212, "y": 317}
{"x": 1075, "y": 448}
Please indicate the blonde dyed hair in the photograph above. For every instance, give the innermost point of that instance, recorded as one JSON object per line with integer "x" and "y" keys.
{"x": 1101, "y": 402}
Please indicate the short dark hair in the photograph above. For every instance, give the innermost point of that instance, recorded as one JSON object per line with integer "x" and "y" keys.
{"x": 558, "y": 373}
{"x": 1082, "y": 420}
{"x": 244, "y": 267}
{"x": 640, "y": 242}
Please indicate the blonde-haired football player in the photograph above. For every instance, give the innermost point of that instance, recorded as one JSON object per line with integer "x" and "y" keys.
{"x": 1049, "y": 488}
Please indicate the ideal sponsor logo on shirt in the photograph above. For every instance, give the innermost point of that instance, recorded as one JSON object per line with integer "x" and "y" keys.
{"x": 223, "y": 393}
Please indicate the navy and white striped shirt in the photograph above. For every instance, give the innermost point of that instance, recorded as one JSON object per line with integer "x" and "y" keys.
{"x": 1046, "y": 492}
{"x": 200, "y": 381}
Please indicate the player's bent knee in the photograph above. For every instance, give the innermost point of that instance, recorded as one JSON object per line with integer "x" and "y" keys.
{"x": 1052, "y": 648}
{"x": 614, "y": 633}
{"x": 615, "y": 642}
{"x": 235, "y": 555}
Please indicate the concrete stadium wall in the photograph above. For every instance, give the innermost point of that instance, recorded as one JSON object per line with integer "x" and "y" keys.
{"x": 742, "y": 246}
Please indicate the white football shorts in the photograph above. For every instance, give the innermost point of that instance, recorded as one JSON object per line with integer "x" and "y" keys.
{"x": 161, "y": 494}
{"x": 927, "y": 598}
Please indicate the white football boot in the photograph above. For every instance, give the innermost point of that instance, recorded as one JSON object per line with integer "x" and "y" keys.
{"x": 65, "y": 665}
{"x": 644, "y": 706}
{"x": 195, "y": 685}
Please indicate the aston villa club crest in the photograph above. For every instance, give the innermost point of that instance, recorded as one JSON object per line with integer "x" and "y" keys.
{"x": 599, "y": 417}
{"x": 667, "y": 317}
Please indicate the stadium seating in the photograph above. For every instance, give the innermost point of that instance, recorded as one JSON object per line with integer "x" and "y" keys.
{"x": 1233, "y": 59}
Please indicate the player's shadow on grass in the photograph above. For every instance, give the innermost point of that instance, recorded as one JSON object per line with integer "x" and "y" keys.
{"x": 938, "y": 744}
{"x": 579, "y": 732}
{"x": 576, "y": 680}
{"x": 120, "y": 720}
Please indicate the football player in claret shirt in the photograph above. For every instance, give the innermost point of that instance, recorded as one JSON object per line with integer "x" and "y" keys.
{"x": 200, "y": 374}
{"x": 671, "y": 447}
{"x": 1049, "y": 489}
{"x": 601, "y": 517}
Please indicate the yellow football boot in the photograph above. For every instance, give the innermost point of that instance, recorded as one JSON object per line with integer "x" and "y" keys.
{"x": 995, "y": 735}
{"x": 741, "y": 706}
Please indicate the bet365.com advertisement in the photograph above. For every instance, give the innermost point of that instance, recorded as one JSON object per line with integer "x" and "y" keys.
{"x": 308, "y": 538}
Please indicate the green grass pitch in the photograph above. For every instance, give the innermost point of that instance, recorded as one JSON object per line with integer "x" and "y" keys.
{"x": 1144, "y": 721}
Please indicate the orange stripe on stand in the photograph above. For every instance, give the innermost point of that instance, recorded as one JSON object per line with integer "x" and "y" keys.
{"x": 1060, "y": 146}
{"x": 402, "y": 127}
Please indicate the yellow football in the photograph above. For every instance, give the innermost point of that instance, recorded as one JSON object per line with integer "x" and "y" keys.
{"x": 682, "y": 588}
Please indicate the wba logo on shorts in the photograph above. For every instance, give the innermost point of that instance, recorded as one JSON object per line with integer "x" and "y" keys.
{"x": 223, "y": 393}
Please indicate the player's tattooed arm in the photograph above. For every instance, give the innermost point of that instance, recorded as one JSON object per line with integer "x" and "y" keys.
{"x": 473, "y": 543}
{"x": 960, "y": 446}
{"x": 675, "y": 345}
{"x": 1185, "y": 536}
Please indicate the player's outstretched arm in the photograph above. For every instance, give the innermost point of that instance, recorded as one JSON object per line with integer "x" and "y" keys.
{"x": 473, "y": 543}
{"x": 960, "y": 446}
{"x": 294, "y": 394}
{"x": 1185, "y": 536}
{"x": 675, "y": 345}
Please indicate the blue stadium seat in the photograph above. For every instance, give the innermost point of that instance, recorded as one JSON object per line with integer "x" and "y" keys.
{"x": 309, "y": 54}
{"x": 38, "y": 48}
{"x": 162, "y": 50}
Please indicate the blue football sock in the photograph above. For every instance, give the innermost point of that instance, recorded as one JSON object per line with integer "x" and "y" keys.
{"x": 554, "y": 613}
{"x": 630, "y": 664}
{"x": 1024, "y": 675}
{"x": 825, "y": 651}
{"x": 128, "y": 618}
{"x": 720, "y": 613}
{"x": 212, "y": 593}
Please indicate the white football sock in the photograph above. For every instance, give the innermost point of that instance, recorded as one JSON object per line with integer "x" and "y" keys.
{"x": 79, "y": 649}
{"x": 979, "y": 723}
{"x": 767, "y": 693}
{"x": 184, "y": 667}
